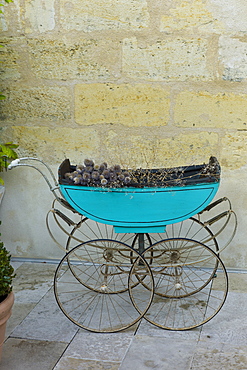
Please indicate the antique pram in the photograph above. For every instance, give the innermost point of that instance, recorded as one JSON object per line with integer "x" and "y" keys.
{"x": 137, "y": 252}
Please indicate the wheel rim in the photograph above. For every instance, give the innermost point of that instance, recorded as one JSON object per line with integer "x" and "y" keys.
{"x": 92, "y": 284}
{"x": 191, "y": 284}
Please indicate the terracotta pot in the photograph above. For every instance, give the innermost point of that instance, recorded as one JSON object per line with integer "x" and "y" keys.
{"x": 5, "y": 313}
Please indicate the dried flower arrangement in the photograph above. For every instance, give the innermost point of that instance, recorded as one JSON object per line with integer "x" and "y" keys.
{"x": 91, "y": 174}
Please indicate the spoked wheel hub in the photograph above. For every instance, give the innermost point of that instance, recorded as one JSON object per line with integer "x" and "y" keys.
{"x": 108, "y": 255}
{"x": 174, "y": 257}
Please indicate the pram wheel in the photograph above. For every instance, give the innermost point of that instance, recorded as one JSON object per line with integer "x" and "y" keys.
{"x": 92, "y": 285}
{"x": 191, "y": 284}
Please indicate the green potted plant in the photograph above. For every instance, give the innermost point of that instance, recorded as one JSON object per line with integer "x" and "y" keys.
{"x": 6, "y": 273}
{"x": 6, "y": 294}
{"x": 7, "y": 154}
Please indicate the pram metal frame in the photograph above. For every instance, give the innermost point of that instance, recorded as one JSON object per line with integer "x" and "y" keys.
{"x": 113, "y": 273}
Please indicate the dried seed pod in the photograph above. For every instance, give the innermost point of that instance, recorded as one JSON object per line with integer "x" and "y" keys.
{"x": 117, "y": 168}
{"x": 73, "y": 174}
{"x": 80, "y": 168}
{"x": 88, "y": 162}
{"x": 95, "y": 175}
{"x": 77, "y": 179}
{"x": 106, "y": 174}
{"x": 113, "y": 175}
{"x": 89, "y": 169}
{"x": 104, "y": 182}
{"x": 127, "y": 180}
{"x": 102, "y": 167}
{"x": 121, "y": 177}
{"x": 86, "y": 176}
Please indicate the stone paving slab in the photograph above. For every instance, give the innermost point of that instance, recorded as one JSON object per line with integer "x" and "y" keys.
{"x": 32, "y": 281}
{"x": 160, "y": 353}
{"x": 237, "y": 282}
{"x": 19, "y": 312}
{"x": 218, "y": 356}
{"x": 230, "y": 324}
{"x": 46, "y": 322}
{"x": 100, "y": 346}
{"x": 21, "y": 354}
{"x": 146, "y": 328}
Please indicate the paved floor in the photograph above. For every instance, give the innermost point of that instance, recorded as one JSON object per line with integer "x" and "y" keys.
{"x": 40, "y": 337}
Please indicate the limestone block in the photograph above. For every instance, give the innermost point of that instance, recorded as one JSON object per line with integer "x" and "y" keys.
{"x": 233, "y": 56}
{"x": 129, "y": 105}
{"x": 232, "y": 14}
{"x": 156, "y": 148}
{"x": 9, "y": 67}
{"x": 53, "y": 145}
{"x": 172, "y": 59}
{"x": 202, "y": 109}
{"x": 188, "y": 15}
{"x": 83, "y": 59}
{"x": 99, "y": 15}
{"x": 234, "y": 150}
{"x": 50, "y": 103}
{"x": 39, "y": 15}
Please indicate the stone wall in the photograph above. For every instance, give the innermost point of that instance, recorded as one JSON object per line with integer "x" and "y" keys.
{"x": 138, "y": 82}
